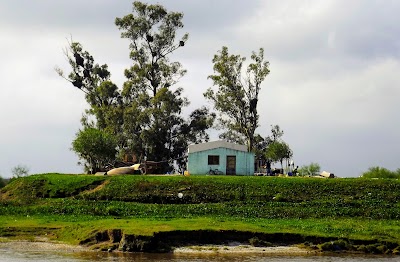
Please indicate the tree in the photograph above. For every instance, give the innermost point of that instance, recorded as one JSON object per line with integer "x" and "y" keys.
{"x": 309, "y": 170}
{"x": 101, "y": 93}
{"x": 151, "y": 31}
{"x": 96, "y": 147}
{"x": 276, "y": 134}
{"x": 20, "y": 171}
{"x": 236, "y": 98}
{"x": 145, "y": 116}
{"x": 160, "y": 131}
{"x": 272, "y": 148}
{"x": 278, "y": 151}
{"x": 260, "y": 146}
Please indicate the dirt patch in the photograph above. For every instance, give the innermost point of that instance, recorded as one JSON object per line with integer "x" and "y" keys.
{"x": 243, "y": 249}
{"x": 40, "y": 245}
{"x": 97, "y": 188}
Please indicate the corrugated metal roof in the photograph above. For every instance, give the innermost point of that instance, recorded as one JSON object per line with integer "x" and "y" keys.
{"x": 215, "y": 144}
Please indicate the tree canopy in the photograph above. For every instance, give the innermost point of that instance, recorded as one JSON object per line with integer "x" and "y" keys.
{"x": 272, "y": 148}
{"x": 236, "y": 97}
{"x": 145, "y": 115}
{"x": 95, "y": 146}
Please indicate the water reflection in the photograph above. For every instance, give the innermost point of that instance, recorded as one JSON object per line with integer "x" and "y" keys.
{"x": 111, "y": 257}
{"x": 11, "y": 255}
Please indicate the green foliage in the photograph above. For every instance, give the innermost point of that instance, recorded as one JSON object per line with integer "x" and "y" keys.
{"x": 145, "y": 115}
{"x": 278, "y": 151}
{"x": 239, "y": 197}
{"x": 35, "y": 187}
{"x": 381, "y": 172}
{"x": 272, "y": 148}
{"x": 2, "y": 182}
{"x": 309, "y": 170}
{"x": 156, "y": 128}
{"x": 276, "y": 133}
{"x": 330, "y": 210}
{"x": 236, "y": 97}
{"x": 346, "y": 234}
{"x": 151, "y": 30}
{"x": 96, "y": 147}
{"x": 20, "y": 171}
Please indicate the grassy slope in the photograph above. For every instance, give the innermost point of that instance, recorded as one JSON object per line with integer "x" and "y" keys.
{"x": 75, "y": 206}
{"x": 75, "y": 231}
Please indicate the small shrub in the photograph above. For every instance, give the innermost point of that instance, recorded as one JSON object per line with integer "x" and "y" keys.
{"x": 372, "y": 248}
{"x": 112, "y": 211}
{"x": 396, "y": 251}
{"x": 256, "y": 242}
{"x": 342, "y": 244}
{"x": 327, "y": 246}
{"x": 280, "y": 197}
{"x": 362, "y": 248}
{"x": 382, "y": 249}
{"x": 337, "y": 245}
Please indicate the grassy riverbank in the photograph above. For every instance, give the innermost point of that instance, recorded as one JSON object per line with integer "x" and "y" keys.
{"x": 75, "y": 208}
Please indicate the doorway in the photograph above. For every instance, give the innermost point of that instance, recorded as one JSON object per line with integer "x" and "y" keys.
{"x": 231, "y": 165}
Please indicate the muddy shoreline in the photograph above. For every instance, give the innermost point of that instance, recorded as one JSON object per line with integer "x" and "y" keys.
{"x": 231, "y": 248}
{"x": 207, "y": 241}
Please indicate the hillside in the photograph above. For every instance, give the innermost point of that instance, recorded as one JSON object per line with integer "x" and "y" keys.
{"x": 273, "y": 197}
{"x": 306, "y": 207}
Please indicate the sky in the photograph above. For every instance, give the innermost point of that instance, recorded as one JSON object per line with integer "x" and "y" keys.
{"x": 333, "y": 87}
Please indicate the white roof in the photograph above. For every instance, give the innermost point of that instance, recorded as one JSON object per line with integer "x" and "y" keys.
{"x": 215, "y": 144}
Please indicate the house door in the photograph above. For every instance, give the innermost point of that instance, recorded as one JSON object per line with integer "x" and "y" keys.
{"x": 231, "y": 165}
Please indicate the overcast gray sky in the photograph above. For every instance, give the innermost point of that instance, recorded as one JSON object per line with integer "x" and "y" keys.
{"x": 333, "y": 87}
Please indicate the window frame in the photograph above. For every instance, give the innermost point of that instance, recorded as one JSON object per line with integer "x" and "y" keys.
{"x": 213, "y": 160}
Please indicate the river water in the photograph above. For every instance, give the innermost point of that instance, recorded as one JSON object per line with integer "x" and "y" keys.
{"x": 12, "y": 255}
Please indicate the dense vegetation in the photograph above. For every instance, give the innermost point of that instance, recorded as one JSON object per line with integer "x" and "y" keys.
{"x": 2, "y": 182}
{"x": 381, "y": 172}
{"x": 145, "y": 117}
{"x": 245, "y": 197}
{"x": 362, "y": 209}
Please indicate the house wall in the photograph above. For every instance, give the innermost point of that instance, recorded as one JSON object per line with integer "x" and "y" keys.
{"x": 198, "y": 161}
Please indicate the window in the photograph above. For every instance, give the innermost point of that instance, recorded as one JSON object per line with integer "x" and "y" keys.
{"x": 213, "y": 160}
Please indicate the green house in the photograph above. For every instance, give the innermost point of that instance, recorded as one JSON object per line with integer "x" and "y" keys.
{"x": 220, "y": 157}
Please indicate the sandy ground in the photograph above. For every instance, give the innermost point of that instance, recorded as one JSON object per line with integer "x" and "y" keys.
{"x": 232, "y": 248}
{"x": 240, "y": 248}
{"x": 40, "y": 245}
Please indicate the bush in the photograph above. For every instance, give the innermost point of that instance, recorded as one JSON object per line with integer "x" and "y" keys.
{"x": 380, "y": 172}
{"x": 327, "y": 246}
{"x": 280, "y": 197}
{"x": 2, "y": 182}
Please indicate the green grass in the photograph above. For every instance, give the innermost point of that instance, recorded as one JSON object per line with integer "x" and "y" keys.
{"x": 73, "y": 231}
{"x": 242, "y": 197}
{"x": 72, "y": 207}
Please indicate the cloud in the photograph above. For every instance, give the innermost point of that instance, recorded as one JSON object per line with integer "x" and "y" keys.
{"x": 333, "y": 85}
